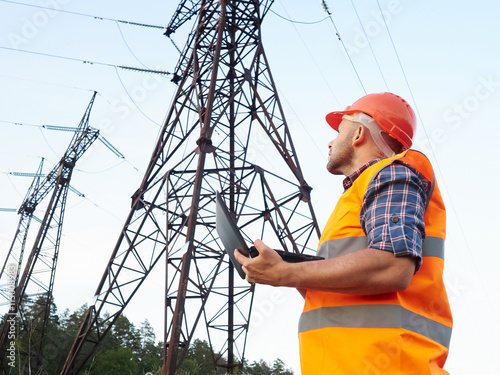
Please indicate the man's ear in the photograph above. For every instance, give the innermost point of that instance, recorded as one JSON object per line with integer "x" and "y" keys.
{"x": 359, "y": 136}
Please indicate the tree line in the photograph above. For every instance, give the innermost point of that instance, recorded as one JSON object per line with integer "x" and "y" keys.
{"x": 125, "y": 350}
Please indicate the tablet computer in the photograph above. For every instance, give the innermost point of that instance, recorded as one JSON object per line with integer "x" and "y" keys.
{"x": 232, "y": 239}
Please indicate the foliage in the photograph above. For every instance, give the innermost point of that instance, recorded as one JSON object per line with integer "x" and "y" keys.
{"x": 125, "y": 350}
{"x": 263, "y": 368}
{"x": 111, "y": 362}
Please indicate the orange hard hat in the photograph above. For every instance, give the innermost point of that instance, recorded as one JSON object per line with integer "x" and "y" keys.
{"x": 392, "y": 113}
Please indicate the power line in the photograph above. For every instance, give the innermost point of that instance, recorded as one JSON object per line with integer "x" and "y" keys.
{"x": 314, "y": 61}
{"x": 369, "y": 45}
{"x": 407, "y": 83}
{"x": 301, "y": 22}
{"x": 86, "y": 61}
{"x": 327, "y": 10}
{"x": 52, "y": 84}
{"x": 86, "y": 15}
{"x": 128, "y": 47}
{"x": 47, "y": 83}
{"x": 47, "y": 142}
{"x": 48, "y": 127}
{"x": 133, "y": 101}
{"x": 324, "y": 80}
{"x": 18, "y": 123}
{"x": 13, "y": 185}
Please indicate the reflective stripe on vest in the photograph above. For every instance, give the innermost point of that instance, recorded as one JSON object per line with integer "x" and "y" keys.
{"x": 431, "y": 247}
{"x": 375, "y": 316}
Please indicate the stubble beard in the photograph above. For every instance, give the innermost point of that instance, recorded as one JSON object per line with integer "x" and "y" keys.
{"x": 340, "y": 159}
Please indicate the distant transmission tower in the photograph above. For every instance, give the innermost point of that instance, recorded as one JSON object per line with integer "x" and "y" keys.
{"x": 16, "y": 251}
{"x": 226, "y": 105}
{"x": 34, "y": 288}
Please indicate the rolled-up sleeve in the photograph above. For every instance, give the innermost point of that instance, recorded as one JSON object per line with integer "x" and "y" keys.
{"x": 392, "y": 214}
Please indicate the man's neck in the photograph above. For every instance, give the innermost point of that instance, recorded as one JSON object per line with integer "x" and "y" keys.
{"x": 349, "y": 180}
{"x": 361, "y": 160}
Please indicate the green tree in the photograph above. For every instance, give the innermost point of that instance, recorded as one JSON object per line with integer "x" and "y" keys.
{"x": 258, "y": 368}
{"x": 191, "y": 367}
{"x": 69, "y": 327}
{"x": 263, "y": 368}
{"x": 112, "y": 362}
{"x": 122, "y": 334}
{"x": 125, "y": 349}
{"x": 150, "y": 354}
{"x": 279, "y": 368}
{"x": 199, "y": 359}
{"x": 28, "y": 337}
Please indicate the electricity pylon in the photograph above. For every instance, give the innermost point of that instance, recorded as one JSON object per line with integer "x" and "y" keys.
{"x": 14, "y": 258}
{"x": 225, "y": 104}
{"x": 34, "y": 288}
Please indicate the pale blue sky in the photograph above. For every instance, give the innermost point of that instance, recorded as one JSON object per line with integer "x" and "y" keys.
{"x": 449, "y": 54}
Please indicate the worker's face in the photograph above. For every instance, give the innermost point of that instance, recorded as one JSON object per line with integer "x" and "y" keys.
{"x": 341, "y": 151}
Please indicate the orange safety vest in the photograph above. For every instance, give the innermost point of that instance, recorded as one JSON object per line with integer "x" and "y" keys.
{"x": 406, "y": 332}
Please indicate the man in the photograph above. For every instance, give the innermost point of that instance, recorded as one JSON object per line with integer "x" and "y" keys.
{"x": 377, "y": 303}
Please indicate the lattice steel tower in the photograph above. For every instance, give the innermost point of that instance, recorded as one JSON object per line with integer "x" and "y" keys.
{"x": 33, "y": 288}
{"x": 226, "y": 101}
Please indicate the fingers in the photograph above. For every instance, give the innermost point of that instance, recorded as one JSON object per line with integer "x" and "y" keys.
{"x": 239, "y": 257}
{"x": 243, "y": 260}
{"x": 259, "y": 244}
{"x": 256, "y": 269}
{"x": 249, "y": 279}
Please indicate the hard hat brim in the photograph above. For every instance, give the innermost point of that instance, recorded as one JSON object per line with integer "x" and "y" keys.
{"x": 335, "y": 118}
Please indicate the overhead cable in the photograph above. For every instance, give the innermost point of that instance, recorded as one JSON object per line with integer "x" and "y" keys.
{"x": 128, "y": 47}
{"x": 133, "y": 101}
{"x": 327, "y": 10}
{"x": 86, "y": 15}
{"x": 301, "y": 22}
{"x": 47, "y": 83}
{"x": 87, "y": 61}
{"x": 326, "y": 81}
{"x": 369, "y": 45}
{"x": 408, "y": 85}
{"x": 48, "y": 127}
{"x": 47, "y": 142}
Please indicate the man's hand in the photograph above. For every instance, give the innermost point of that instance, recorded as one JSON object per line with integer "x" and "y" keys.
{"x": 363, "y": 272}
{"x": 267, "y": 268}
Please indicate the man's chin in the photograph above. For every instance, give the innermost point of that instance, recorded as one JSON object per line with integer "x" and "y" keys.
{"x": 333, "y": 169}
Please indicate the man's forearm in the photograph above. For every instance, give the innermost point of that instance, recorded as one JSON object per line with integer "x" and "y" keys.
{"x": 364, "y": 272}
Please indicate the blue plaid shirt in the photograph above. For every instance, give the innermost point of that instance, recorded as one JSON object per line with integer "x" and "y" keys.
{"x": 392, "y": 214}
